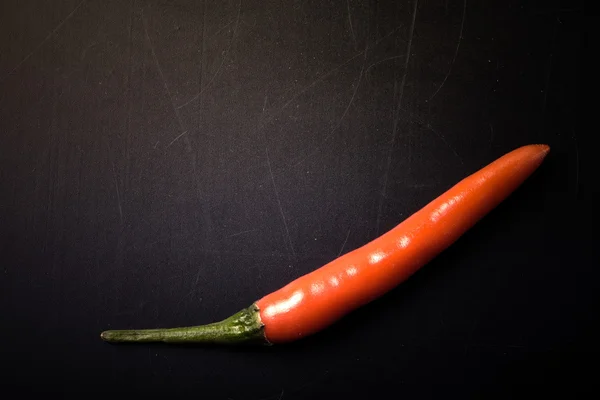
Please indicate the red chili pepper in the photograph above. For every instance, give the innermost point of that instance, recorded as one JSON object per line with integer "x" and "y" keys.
{"x": 318, "y": 299}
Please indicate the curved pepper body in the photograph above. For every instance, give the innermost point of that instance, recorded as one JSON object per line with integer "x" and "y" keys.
{"x": 318, "y": 299}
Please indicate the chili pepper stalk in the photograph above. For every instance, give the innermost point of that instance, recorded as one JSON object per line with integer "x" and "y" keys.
{"x": 243, "y": 327}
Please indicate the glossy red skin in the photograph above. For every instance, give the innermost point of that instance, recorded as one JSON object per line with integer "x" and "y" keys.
{"x": 316, "y": 300}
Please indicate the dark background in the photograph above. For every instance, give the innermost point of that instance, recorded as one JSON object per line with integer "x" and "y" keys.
{"x": 166, "y": 163}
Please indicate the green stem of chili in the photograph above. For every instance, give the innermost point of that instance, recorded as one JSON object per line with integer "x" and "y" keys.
{"x": 242, "y": 327}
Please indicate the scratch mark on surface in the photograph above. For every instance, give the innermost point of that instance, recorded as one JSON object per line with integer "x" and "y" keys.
{"x": 390, "y": 33}
{"x": 345, "y": 241}
{"x": 330, "y": 134}
{"x": 240, "y": 233}
{"x": 221, "y": 29}
{"x": 226, "y": 53}
{"x": 197, "y": 277}
{"x": 382, "y": 61}
{"x": 199, "y": 119}
{"x": 396, "y": 117}
{"x": 318, "y": 80}
{"x": 460, "y": 36}
{"x": 156, "y": 144}
{"x": 189, "y": 294}
{"x": 43, "y": 42}
{"x": 162, "y": 76}
{"x": 201, "y": 66}
{"x": 128, "y": 96}
{"x": 281, "y": 395}
{"x": 350, "y": 21}
{"x": 410, "y": 146}
{"x": 174, "y": 140}
{"x": 306, "y": 88}
{"x": 287, "y": 231}
{"x": 491, "y": 133}
{"x": 116, "y": 185}
{"x": 428, "y": 126}
{"x": 406, "y": 64}
{"x": 264, "y": 104}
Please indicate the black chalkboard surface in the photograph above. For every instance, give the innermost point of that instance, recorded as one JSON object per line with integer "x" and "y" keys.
{"x": 166, "y": 163}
